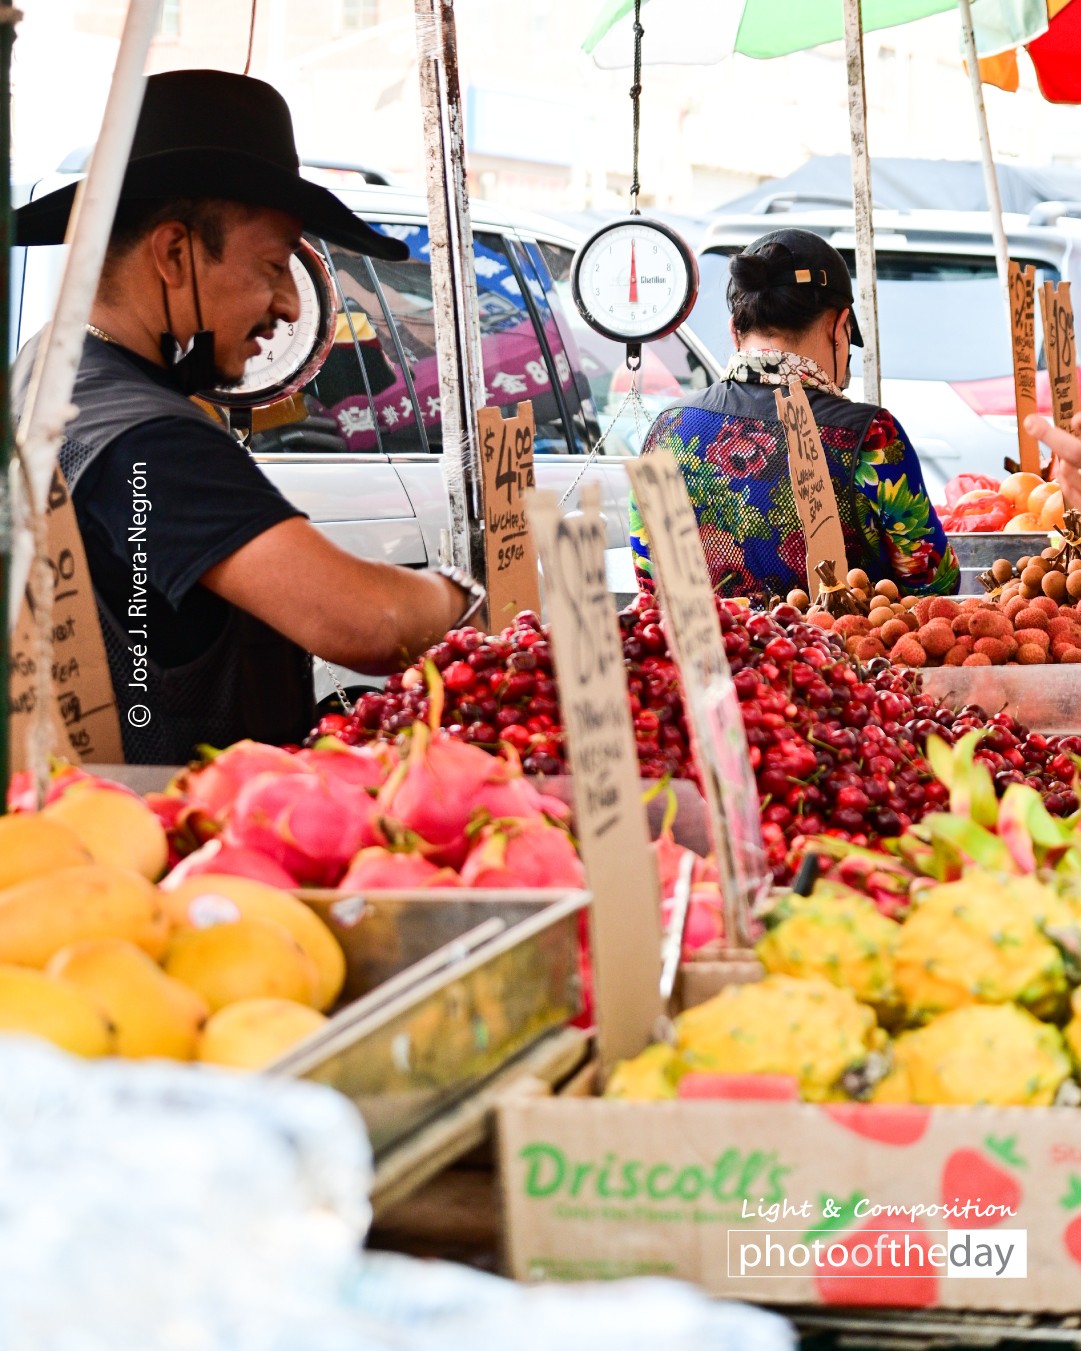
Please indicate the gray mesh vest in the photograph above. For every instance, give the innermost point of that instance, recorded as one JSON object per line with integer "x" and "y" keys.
{"x": 250, "y": 682}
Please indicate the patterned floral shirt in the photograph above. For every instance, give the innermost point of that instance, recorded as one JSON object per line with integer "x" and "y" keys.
{"x": 893, "y": 510}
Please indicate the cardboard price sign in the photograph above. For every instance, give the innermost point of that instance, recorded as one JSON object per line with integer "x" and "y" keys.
{"x": 610, "y": 817}
{"x": 1023, "y": 329}
{"x": 697, "y": 644}
{"x": 84, "y": 715}
{"x": 506, "y": 456}
{"x": 812, "y": 486}
{"x": 1060, "y": 347}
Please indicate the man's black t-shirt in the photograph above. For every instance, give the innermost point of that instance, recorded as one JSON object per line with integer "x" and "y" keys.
{"x": 208, "y": 498}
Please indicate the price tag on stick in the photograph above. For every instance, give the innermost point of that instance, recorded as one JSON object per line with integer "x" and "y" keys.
{"x": 610, "y": 817}
{"x": 84, "y": 714}
{"x": 713, "y": 716}
{"x": 812, "y": 486}
{"x": 506, "y": 456}
{"x": 1023, "y": 327}
{"x": 1061, "y": 350}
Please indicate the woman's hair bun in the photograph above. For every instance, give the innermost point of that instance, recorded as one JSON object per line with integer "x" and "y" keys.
{"x": 750, "y": 272}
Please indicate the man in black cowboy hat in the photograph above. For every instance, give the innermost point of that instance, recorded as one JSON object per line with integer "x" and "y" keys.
{"x": 235, "y": 586}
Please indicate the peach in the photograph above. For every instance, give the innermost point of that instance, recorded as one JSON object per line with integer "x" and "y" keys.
{"x": 1050, "y": 517}
{"x": 1018, "y": 488}
{"x": 1023, "y": 524}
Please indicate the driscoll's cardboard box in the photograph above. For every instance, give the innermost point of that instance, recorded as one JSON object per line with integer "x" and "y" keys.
{"x": 785, "y": 1202}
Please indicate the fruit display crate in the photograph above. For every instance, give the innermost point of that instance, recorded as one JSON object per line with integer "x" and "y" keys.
{"x": 977, "y": 549}
{"x": 442, "y": 991}
{"x": 1044, "y": 698}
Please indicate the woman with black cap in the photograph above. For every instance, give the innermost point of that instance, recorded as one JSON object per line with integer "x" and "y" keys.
{"x": 790, "y": 294}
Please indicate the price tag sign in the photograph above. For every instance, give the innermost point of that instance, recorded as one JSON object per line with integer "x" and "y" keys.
{"x": 506, "y": 454}
{"x": 1023, "y": 327}
{"x": 697, "y": 645}
{"x": 1060, "y": 348}
{"x": 84, "y": 713}
{"x": 812, "y": 486}
{"x": 610, "y": 817}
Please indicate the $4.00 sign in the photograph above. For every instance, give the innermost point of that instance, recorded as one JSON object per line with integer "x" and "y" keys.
{"x": 812, "y": 486}
{"x": 506, "y": 456}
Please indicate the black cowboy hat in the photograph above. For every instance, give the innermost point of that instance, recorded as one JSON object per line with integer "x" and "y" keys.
{"x": 210, "y": 133}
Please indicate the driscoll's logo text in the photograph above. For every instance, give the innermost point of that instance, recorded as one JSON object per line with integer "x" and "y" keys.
{"x": 732, "y": 1176}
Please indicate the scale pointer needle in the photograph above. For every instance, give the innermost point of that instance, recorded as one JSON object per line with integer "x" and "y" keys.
{"x": 633, "y": 297}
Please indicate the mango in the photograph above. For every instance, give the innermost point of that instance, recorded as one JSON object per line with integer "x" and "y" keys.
{"x": 244, "y": 960}
{"x": 40, "y": 916}
{"x": 216, "y": 898}
{"x": 32, "y": 845}
{"x": 151, "y": 1014}
{"x": 39, "y": 1005}
{"x": 251, "y": 1033}
{"x": 115, "y": 827}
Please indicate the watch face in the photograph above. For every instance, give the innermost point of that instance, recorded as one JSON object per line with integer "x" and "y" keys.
{"x": 295, "y": 352}
{"x": 634, "y": 280}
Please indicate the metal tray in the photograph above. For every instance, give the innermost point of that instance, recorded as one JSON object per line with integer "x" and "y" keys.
{"x": 1044, "y": 698}
{"x": 442, "y": 990}
{"x": 977, "y": 549}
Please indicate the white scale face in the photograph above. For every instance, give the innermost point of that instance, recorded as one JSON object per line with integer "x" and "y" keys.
{"x": 634, "y": 281}
{"x": 293, "y": 355}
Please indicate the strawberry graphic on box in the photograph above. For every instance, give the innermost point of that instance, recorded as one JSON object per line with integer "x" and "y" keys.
{"x": 889, "y": 1282}
{"x": 969, "y": 1175}
{"x": 901, "y": 1125}
{"x": 1071, "y": 1235}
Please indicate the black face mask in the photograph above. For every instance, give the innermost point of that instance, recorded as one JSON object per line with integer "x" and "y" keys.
{"x": 194, "y": 370}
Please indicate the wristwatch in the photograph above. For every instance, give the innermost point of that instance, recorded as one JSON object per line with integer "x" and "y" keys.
{"x": 477, "y": 594}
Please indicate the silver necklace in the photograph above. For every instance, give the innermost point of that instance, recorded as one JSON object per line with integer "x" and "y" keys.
{"x": 100, "y": 333}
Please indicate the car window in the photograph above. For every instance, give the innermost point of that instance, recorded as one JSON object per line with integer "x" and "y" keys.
{"x": 667, "y": 374}
{"x": 513, "y": 362}
{"x": 940, "y": 317}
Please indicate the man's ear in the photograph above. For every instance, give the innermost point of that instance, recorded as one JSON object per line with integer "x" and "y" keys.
{"x": 839, "y": 325}
{"x": 170, "y": 250}
{"x": 732, "y": 331}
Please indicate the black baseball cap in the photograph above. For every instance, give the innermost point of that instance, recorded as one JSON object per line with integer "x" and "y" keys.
{"x": 808, "y": 260}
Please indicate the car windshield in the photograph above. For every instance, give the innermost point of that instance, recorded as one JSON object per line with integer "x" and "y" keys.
{"x": 940, "y": 317}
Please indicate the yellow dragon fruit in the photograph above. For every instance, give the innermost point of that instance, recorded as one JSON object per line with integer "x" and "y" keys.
{"x": 651, "y": 1076}
{"x": 970, "y": 942}
{"x": 984, "y": 1053}
{"x": 809, "y": 1029}
{"x": 1073, "y": 1027}
{"x": 836, "y": 934}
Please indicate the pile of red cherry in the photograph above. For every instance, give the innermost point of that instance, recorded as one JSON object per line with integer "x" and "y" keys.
{"x": 835, "y": 747}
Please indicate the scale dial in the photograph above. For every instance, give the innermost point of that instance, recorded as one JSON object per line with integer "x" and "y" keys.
{"x": 634, "y": 280}
{"x": 295, "y": 352}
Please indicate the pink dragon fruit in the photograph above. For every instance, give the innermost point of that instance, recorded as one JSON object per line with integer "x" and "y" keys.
{"x": 705, "y": 916}
{"x": 214, "y": 786}
{"x": 312, "y": 827}
{"x": 434, "y": 793}
{"x": 527, "y": 853}
{"x": 669, "y": 855}
{"x": 218, "y": 857}
{"x": 376, "y": 868}
{"x": 508, "y": 793}
{"x": 360, "y": 766}
{"x": 62, "y": 776}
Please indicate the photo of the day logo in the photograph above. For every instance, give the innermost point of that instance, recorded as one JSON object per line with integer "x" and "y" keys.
{"x": 968, "y": 1253}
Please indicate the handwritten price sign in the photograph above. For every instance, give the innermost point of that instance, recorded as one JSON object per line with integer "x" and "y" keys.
{"x": 1023, "y": 327}
{"x": 506, "y": 454}
{"x": 610, "y": 818}
{"x": 1061, "y": 348}
{"x": 812, "y": 486}
{"x": 84, "y": 716}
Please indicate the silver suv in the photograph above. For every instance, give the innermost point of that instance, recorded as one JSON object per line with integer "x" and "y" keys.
{"x": 363, "y": 460}
{"x": 946, "y": 363}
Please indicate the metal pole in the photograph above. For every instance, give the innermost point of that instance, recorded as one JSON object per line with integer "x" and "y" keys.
{"x": 8, "y": 17}
{"x": 866, "y": 271}
{"x": 48, "y": 400}
{"x": 990, "y": 177}
{"x": 454, "y": 282}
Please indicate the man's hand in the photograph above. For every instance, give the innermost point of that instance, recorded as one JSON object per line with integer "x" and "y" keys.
{"x": 1065, "y": 448}
{"x": 373, "y": 617}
